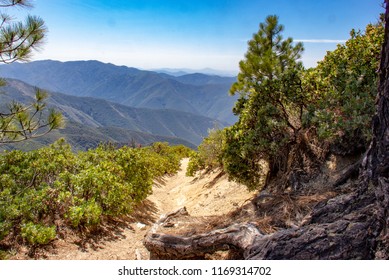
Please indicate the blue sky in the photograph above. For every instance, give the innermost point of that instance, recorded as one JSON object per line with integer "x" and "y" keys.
{"x": 194, "y": 34}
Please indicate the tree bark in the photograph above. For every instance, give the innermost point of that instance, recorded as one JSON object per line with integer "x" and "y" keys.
{"x": 351, "y": 226}
{"x": 167, "y": 246}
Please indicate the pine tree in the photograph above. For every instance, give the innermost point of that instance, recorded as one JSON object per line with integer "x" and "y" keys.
{"x": 270, "y": 105}
{"x": 17, "y": 41}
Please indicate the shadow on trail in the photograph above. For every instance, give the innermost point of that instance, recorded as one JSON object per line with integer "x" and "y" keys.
{"x": 112, "y": 230}
{"x": 145, "y": 213}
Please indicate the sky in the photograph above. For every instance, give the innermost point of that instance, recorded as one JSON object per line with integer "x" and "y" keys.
{"x": 194, "y": 34}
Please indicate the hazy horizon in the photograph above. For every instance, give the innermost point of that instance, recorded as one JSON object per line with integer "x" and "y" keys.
{"x": 178, "y": 34}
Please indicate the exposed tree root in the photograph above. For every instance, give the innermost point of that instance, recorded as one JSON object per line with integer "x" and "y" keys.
{"x": 341, "y": 228}
{"x": 237, "y": 236}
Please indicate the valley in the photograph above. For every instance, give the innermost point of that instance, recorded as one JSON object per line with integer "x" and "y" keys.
{"x": 198, "y": 94}
{"x": 90, "y": 121}
{"x": 107, "y": 103}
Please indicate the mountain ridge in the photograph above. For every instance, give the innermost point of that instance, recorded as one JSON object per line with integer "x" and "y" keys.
{"x": 101, "y": 114}
{"x": 184, "y": 71}
{"x": 194, "y": 93}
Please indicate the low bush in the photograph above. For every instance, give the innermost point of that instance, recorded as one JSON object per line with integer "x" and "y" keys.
{"x": 39, "y": 187}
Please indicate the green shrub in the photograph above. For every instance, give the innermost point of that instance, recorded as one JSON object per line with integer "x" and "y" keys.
{"x": 87, "y": 214}
{"x": 181, "y": 151}
{"x": 80, "y": 188}
{"x": 209, "y": 154}
{"x": 343, "y": 88}
{"x": 269, "y": 105}
{"x": 37, "y": 234}
{"x": 195, "y": 164}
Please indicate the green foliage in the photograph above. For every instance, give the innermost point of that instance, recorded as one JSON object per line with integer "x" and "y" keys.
{"x": 181, "y": 151}
{"x": 195, "y": 164}
{"x": 3, "y": 255}
{"x": 17, "y": 40}
{"x": 171, "y": 156}
{"x": 343, "y": 88}
{"x": 87, "y": 214}
{"x": 270, "y": 105}
{"x": 209, "y": 155}
{"x": 37, "y": 234}
{"x": 21, "y": 122}
{"x": 41, "y": 186}
{"x": 287, "y": 114}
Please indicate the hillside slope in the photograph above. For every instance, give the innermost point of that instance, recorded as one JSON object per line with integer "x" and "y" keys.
{"x": 194, "y": 93}
{"x": 83, "y": 137}
{"x": 98, "y": 113}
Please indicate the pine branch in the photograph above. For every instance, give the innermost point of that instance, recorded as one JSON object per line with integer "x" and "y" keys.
{"x": 11, "y": 3}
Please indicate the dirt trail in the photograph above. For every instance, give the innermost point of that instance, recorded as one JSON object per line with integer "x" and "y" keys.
{"x": 208, "y": 194}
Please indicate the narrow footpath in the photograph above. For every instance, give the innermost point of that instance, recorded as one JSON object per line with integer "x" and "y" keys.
{"x": 209, "y": 194}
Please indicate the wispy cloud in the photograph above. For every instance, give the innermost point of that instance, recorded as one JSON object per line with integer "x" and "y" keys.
{"x": 320, "y": 41}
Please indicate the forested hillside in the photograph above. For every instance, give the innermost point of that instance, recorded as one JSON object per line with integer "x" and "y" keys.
{"x": 97, "y": 115}
{"x": 194, "y": 93}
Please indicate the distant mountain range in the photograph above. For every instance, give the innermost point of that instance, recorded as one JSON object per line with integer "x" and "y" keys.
{"x": 184, "y": 71}
{"x": 91, "y": 121}
{"x": 198, "y": 94}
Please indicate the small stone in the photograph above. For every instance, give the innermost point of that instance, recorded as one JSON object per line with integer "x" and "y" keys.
{"x": 140, "y": 225}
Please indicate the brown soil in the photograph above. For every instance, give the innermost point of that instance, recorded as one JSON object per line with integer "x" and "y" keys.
{"x": 205, "y": 195}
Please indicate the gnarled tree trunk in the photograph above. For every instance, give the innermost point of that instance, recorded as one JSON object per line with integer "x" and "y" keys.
{"x": 351, "y": 226}
{"x": 166, "y": 246}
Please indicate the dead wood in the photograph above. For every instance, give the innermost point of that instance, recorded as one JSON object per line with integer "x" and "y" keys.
{"x": 351, "y": 172}
{"x": 167, "y": 246}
